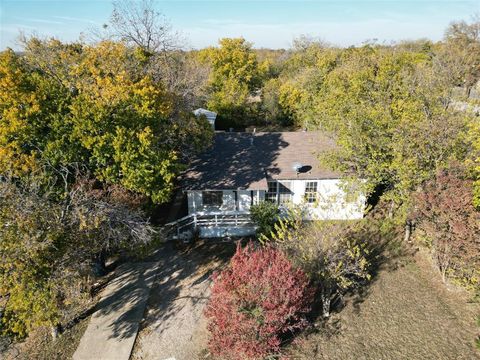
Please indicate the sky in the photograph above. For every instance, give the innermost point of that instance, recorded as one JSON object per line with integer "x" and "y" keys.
{"x": 270, "y": 24}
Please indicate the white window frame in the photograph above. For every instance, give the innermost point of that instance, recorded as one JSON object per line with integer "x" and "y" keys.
{"x": 311, "y": 192}
{"x": 213, "y": 205}
{"x": 285, "y": 193}
{"x": 280, "y": 193}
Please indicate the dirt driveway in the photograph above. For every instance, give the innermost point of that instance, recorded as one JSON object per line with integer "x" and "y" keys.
{"x": 174, "y": 326}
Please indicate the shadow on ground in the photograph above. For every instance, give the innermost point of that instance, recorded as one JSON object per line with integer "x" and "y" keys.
{"x": 404, "y": 312}
{"x": 173, "y": 323}
{"x": 178, "y": 262}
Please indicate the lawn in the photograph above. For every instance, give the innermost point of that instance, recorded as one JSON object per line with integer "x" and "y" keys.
{"x": 405, "y": 313}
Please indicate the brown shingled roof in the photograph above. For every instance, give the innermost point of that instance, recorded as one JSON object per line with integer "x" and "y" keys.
{"x": 235, "y": 161}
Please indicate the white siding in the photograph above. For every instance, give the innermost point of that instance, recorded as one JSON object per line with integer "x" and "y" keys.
{"x": 244, "y": 200}
{"x": 332, "y": 203}
{"x": 195, "y": 203}
{"x": 220, "y": 231}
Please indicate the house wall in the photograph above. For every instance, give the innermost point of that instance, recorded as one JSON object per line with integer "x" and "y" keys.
{"x": 244, "y": 200}
{"x": 333, "y": 202}
{"x": 195, "y": 203}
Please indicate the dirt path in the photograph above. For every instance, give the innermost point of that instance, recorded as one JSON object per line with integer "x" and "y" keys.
{"x": 407, "y": 313}
{"x": 174, "y": 326}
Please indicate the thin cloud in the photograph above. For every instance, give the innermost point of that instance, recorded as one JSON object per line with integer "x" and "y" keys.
{"x": 332, "y": 31}
{"x": 221, "y": 22}
{"x": 69, "y": 18}
{"x": 41, "y": 21}
{"x": 16, "y": 28}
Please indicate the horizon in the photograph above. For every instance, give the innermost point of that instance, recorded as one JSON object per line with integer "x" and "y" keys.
{"x": 266, "y": 24}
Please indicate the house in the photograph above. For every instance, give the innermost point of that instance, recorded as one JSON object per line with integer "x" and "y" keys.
{"x": 242, "y": 169}
{"x": 210, "y": 115}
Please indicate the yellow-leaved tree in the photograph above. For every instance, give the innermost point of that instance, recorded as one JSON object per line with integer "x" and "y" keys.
{"x": 234, "y": 81}
{"x": 94, "y": 105}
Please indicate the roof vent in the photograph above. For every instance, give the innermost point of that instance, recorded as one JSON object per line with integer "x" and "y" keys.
{"x": 296, "y": 167}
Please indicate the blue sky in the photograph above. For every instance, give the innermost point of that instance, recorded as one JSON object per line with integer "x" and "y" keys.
{"x": 271, "y": 23}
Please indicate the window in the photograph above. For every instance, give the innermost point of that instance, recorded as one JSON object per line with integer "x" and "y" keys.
{"x": 212, "y": 198}
{"x": 284, "y": 192}
{"x": 271, "y": 194}
{"x": 311, "y": 192}
{"x": 279, "y": 192}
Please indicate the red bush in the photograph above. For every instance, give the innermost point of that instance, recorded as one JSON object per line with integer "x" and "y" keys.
{"x": 255, "y": 300}
{"x": 451, "y": 224}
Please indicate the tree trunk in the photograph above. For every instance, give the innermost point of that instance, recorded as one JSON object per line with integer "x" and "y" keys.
{"x": 408, "y": 231}
{"x": 55, "y": 331}
{"x": 99, "y": 266}
{"x": 443, "y": 271}
{"x": 326, "y": 301}
{"x": 391, "y": 209}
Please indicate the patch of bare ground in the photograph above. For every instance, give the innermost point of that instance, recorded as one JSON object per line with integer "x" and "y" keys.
{"x": 405, "y": 313}
{"x": 173, "y": 324}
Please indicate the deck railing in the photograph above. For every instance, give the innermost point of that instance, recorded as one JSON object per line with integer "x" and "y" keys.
{"x": 208, "y": 219}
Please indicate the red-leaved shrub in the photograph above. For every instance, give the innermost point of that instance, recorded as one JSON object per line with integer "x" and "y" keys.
{"x": 255, "y": 300}
{"x": 450, "y": 225}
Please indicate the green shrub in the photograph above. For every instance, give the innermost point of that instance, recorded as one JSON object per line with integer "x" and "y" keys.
{"x": 334, "y": 256}
{"x": 265, "y": 215}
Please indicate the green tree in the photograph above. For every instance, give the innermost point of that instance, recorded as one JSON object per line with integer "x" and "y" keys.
{"x": 474, "y": 161}
{"x": 459, "y": 54}
{"x": 334, "y": 255}
{"x": 49, "y": 249}
{"x": 393, "y": 122}
{"x": 93, "y": 105}
{"x": 234, "y": 80}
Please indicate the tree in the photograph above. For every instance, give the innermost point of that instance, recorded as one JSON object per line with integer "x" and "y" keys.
{"x": 274, "y": 113}
{"x": 459, "y": 55}
{"x": 450, "y": 225}
{"x": 474, "y": 161}
{"x": 93, "y": 105}
{"x": 301, "y": 78}
{"x": 18, "y": 101}
{"x": 235, "y": 78}
{"x": 259, "y": 297}
{"x": 139, "y": 24}
{"x": 391, "y": 119}
{"x": 47, "y": 248}
{"x": 333, "y": 255}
